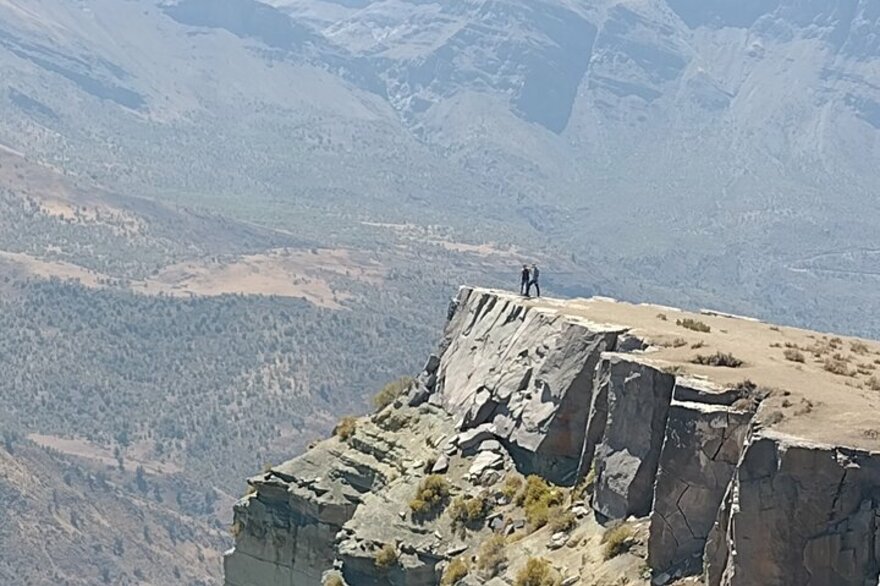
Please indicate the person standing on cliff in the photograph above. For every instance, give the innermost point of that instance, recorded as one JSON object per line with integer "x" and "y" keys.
{"x": 534, "y": 281}
{"x": 524, "y": 283}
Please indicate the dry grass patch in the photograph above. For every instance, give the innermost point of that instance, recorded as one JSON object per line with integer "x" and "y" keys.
{"x": 693, "y": 325}
{"x": 561, "y": 520}
{"x": 391, "y": 391}
{"x": 492, "y": 556}
{"x": 586, "y": 486}
{"x": 333, "y": 580}
{"x": 720, "y": 359}
{"x": 537, "y": 572}
{"x": 346, "y": 427}
{"x": 859, "y": 348}
{"x": 793, "y": 355}
{"x": 386, "y": 557}
{"x": 455, "y": 571}
{"x": 838, "y": 366}
{"x": 431, "y": 496}
{"x": 617, "y": 540}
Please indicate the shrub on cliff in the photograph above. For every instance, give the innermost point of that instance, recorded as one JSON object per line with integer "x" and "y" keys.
{"x": 539, "y": 500}
{"x": 512, "y": 483}
{"x": 492, "y": 556}
{"x": 345, "y": 428}
{"x": 385, "y": 557}
{"x": 537, "y": 572}
{"x": 718, "y": 359}
{"x": 794, "y": 355}
{"x": 617, "y": 540}
{"x": 469, "y": 512}
{"x": 391, "y": 391}
{"x": 455, "y": 571}
{"x": 431, "y": 496}
{"x": 561, "y": 520}
{"x": 692, "y": 324}
{"x": 236, "y": 528}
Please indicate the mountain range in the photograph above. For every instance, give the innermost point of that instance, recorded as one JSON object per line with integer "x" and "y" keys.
{"x": 701, "y": 152}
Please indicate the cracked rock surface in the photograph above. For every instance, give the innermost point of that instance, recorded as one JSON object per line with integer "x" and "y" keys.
{"x": 699, "y": 457}
{"x": 799, "y": 513}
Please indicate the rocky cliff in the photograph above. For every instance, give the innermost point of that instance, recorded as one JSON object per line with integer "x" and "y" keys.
{"x": 589, "y": 442}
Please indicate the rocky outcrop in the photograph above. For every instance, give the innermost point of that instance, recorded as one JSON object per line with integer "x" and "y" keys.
{"x": 286, "y": 529}
{"x": 527, "y": 371}
{"x": 695, "y": 467}
{"x": 799, "y": 513}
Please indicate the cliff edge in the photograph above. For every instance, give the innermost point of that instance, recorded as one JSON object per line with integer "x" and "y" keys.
{"x": 589, "y": 442}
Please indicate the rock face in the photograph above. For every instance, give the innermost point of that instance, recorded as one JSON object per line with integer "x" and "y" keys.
{"x": 701, "y": 449}
{"x": 695, "y": 463}
{"x": 799, "y": 514}
{"x": 287, "y": 528}
{"x": 527, "y": 371}
{"x": 637, "y": 398}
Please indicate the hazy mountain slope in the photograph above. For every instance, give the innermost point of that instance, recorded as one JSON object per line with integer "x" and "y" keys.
{"x": 705, "y": 130}
{"x": 737, "y": 141}
{"x": 79, "y": 522}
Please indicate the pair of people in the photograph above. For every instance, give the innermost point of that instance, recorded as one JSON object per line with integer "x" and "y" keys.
{"x": 529, "y": 278}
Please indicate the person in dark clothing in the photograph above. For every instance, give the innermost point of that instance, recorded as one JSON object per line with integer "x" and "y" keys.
{"x": 534, "y": 281}
{"x": 526, "y": 279}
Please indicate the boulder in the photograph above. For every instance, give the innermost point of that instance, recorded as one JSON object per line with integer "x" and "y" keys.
{"x": 490, "y": 446}
{"x": 469, "y": 440}
{"x": 441, "y": 465}
{"x": 485, "y": 461}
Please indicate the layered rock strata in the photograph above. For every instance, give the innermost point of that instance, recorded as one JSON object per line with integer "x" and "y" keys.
{"x": 733, "y": 480}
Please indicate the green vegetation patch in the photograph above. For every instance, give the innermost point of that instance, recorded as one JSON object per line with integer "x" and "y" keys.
{"x": 540, "y": 501}
{"x": 469, "y": 512}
